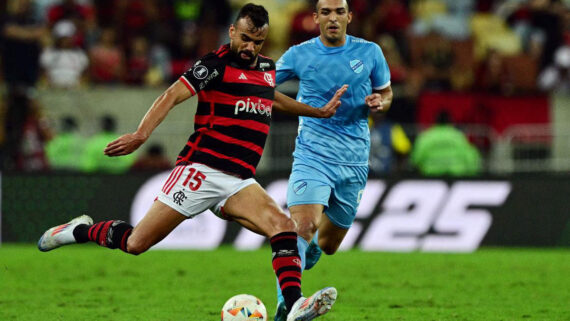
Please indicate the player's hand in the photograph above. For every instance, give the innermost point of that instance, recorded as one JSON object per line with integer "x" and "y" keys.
{"x": 374, "y": 102}
{"x": 124, "y": 145}
{"x": 331, "y": 107}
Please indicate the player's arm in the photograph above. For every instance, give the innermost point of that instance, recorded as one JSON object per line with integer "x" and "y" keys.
{"x": 380, "y": 100}
{"x": 128, "y": 143}
{"x": 285, "y": 104}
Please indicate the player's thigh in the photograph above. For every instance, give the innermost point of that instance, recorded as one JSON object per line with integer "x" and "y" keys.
{"x": 253, "y": 208}
{"x": 158, "y": 222}
{"x": 345, "y": 199}
{"x": 309, "y": 185}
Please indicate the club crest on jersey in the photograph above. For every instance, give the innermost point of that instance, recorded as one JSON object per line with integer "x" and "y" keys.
{"x": 357, "y": 66}
{"x": 267, "y": 76}
{"x": 252, "y": 107}
{"x": 200, "y": 72}
{"x": 300, "y": 187}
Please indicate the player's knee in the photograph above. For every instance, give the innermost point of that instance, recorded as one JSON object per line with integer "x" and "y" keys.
{"x": 136, "y": 247}
{"x": 281, "y": 223}
{"x": 329, "y": 249}
{"x": 287, "y": 225}
{"x": 329, "y": 246}
{"x": 306, "y": 227}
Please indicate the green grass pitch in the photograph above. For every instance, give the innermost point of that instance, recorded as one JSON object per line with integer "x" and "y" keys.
{"x": 85, "y": 282}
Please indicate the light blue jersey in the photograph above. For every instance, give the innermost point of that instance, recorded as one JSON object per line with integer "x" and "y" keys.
{"x": 344, "y": 138}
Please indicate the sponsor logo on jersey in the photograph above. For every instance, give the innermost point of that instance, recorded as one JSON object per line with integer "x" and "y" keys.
{"x": 200, "y": 72}
{"x": 242, "y": 76}
{"x": 313, "y": 68}
{"x": 264, "y": 65}
{"x": 357, "y": 66}
{"x": 252, "y": 107}
{"x": 213, "y": 75}
{"x": 267, "y": 76}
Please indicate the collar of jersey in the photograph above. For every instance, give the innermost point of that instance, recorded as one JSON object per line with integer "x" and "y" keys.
{"x": 332, "y": 50}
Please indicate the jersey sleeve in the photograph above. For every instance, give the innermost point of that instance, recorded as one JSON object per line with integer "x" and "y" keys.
{"x": 380, "y": 76}
{"x": 285, "y": 67}
{"x": 205, "y": 73}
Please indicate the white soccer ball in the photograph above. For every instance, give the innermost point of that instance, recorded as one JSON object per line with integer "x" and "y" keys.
{"x": 244, "y": 307}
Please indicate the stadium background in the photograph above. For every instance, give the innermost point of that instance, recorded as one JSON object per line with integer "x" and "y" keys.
{"x": 499, "y": 67}
{"x": 485, "y": 62}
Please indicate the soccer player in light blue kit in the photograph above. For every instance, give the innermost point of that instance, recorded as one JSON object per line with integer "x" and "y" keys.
{"x": 330, "y": 165}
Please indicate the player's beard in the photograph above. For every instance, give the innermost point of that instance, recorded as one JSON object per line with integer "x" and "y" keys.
{"x": 246, "y": 62}
{"x": 238, "y": 56}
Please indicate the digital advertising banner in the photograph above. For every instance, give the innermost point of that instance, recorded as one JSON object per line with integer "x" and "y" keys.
{"x": 400, "y": 215}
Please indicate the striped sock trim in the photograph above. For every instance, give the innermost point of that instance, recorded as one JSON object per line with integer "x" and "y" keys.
{"x": 287, "y": 266}
{"x": 112, "y": 234}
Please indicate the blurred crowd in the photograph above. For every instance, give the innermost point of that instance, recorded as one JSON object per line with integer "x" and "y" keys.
{"x": 504, "y": 47}
{"x": 439, "y": 44}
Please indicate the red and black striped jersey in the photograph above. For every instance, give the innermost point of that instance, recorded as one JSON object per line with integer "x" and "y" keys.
{"x": 234, "y": 112}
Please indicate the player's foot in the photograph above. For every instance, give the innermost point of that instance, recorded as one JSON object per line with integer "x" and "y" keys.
{"x": 62, "y": 234}
{"x": 306, "y": 309}
{"x": 312, "y": 255}
{"x": 281, "y": 312}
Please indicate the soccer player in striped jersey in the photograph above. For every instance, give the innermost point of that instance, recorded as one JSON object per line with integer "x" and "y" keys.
{"x": 330, "y": 166}
{"x": 236, "y": 96}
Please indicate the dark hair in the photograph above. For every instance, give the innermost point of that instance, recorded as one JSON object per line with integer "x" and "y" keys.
{"x": 257, "y": 14}
{"x": 315, "y": 2}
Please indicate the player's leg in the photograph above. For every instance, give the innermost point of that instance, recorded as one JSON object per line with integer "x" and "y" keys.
{"x": 308, "y": 218}
{"x": 330, "y": 236}
{"x": 308, "y": 193}
{"x": 160, "y": 220}
{"x": 157, "y": 223}
{"x": 253, "y": 208}
{"x": 306, "y": 199}
{"x": 343, "y": 205}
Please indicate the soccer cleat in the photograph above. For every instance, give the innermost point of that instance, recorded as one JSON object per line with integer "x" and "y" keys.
{"x": 281, "y": 313}
{"x": 312, "y": 255}
{"x": 62, "y": 234}
{"x": 306, "y": 309}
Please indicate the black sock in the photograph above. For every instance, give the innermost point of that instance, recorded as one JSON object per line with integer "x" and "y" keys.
{"x": 80, "y": 233}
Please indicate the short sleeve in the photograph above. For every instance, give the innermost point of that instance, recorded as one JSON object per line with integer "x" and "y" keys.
{"x": 380, "y": 76}
{"x": 285, "y": 67}
{"x": 205, "y": 73}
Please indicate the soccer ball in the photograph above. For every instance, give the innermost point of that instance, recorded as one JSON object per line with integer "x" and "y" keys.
{"x": 244, "y": 307}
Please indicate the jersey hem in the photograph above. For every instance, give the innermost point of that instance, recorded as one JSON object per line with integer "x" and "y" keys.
{"x": 383, "y": 86}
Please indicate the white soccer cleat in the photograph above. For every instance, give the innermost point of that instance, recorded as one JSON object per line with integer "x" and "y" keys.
{"x": 61, "y": 234}
{"x": 306, "y": 309}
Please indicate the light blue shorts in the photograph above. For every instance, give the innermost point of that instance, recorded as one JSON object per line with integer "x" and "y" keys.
{"x": 338, "y": 187}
